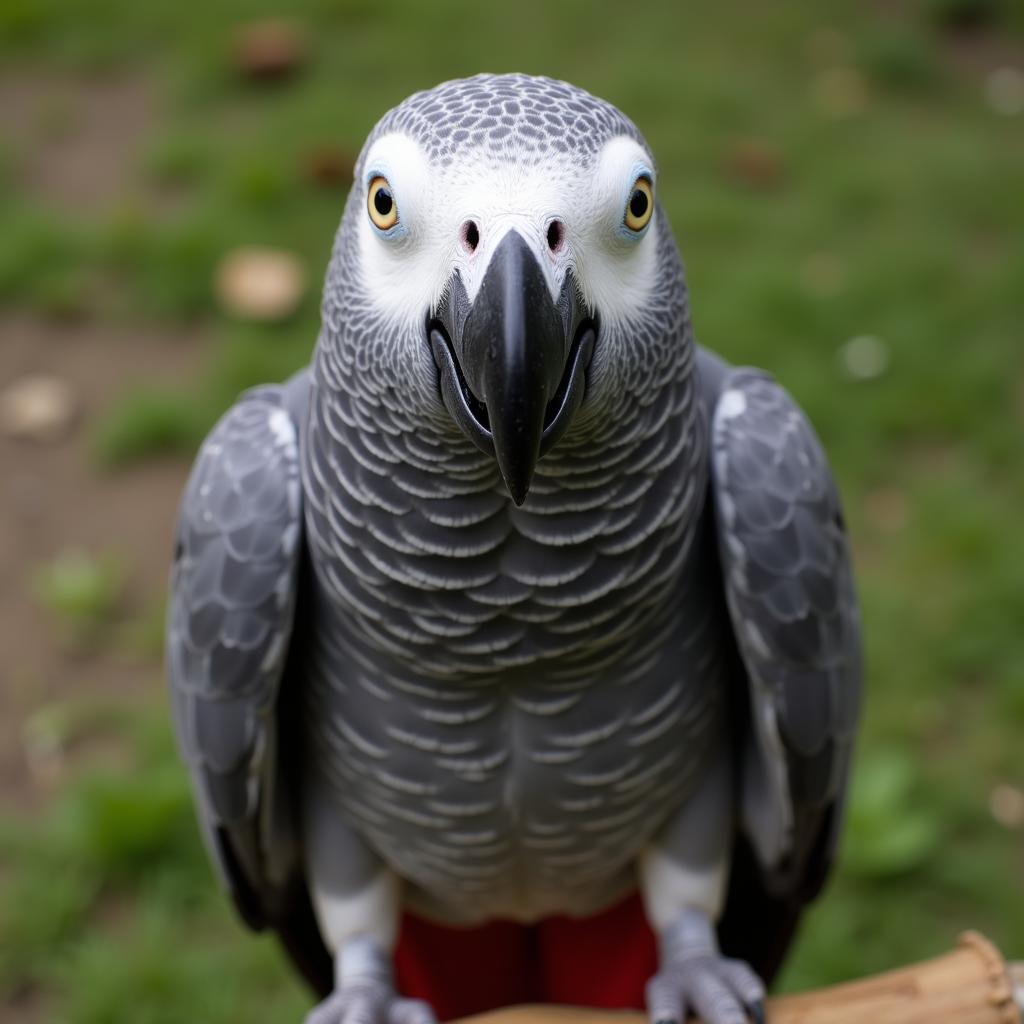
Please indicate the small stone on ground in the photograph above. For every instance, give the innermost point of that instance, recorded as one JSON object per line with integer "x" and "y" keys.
{"x": 1006, "y": 804}
{"x": 864, "y": 357}
{"x": 260, "y": 284}
{"x": 37, "y": 408}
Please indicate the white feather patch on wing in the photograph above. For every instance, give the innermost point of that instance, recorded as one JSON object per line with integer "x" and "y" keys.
{"x": 732, "y": 404}
{"x": 282, "y": 428}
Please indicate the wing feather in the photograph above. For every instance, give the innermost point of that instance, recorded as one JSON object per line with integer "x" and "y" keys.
{"x": 789, "y": 588}
{"x": 233, "y": 592}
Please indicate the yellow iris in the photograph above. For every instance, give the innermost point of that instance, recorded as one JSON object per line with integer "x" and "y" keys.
{"x": 640, "y": 205}
{"x": 380, "y": 202}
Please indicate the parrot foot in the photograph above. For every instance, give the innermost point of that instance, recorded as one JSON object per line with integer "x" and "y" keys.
{"x": 696, "y": 978}
{"x": 364, "y": 1002}
{"x": 718, "y": 990}
{"x": 364, "y": 991}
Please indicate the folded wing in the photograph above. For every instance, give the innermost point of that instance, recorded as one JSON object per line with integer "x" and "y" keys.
{"x": 789, "y": 587}
{"x": 234, "y": 589}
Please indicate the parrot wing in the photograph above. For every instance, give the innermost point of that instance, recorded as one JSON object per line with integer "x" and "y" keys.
{"x": 789, "y": 588}
{"x": 234, "y": 588}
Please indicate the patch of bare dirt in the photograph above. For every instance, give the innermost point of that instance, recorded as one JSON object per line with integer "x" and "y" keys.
{"x": 74, "y": 146}
{"x": 53, "y": 497}
{"x": 76, "y": 140}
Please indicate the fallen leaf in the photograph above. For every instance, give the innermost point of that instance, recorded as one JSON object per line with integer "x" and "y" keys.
{"x": 270, "y": 48}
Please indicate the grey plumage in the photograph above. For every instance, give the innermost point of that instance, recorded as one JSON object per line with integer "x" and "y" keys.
{"x": 233, "y": 594}
{"x": 499, "y": 115}
{"x": 507, "y": 705}
{"x": 790, "y": 593}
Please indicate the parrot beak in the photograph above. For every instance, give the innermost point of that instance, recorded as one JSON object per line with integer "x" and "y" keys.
{"x": 512, "y": 364}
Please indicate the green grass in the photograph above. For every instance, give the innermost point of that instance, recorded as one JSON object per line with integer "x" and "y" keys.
{"x": 911, "y": 203}
{"x": 82, "y": 593}
{"x": 108, "y": 898}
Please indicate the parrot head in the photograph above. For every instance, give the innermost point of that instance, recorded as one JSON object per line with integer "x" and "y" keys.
{"x": 503, "y": 267}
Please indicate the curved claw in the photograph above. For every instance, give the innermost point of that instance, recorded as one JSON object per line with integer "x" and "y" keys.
{"x": 755, "y": 1011}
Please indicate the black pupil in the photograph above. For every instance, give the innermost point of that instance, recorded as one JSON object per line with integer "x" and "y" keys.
{"x": 382, "y": 201}
{"x": 638, "y": 203}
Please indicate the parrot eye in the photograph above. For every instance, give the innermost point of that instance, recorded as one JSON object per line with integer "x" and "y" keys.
{"x": 380, "y": 202}
{"x": 640, "y": 205}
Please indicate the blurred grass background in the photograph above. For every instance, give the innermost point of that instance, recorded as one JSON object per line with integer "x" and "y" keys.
{"x": 846, "y": 182}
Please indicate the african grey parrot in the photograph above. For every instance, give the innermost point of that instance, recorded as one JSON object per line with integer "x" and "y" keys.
{"x": 516, "y": 601}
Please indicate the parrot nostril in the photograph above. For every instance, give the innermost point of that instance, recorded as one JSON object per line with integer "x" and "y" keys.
{"x": 556, "y": 235}
{"x": 470, "y": 236}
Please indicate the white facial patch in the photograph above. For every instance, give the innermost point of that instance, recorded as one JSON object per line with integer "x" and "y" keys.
{"x": 406, "y": 271}
{"x": 616, "y": 271}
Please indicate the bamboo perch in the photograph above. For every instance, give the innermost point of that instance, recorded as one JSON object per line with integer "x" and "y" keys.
{"x": 971, "y": 985}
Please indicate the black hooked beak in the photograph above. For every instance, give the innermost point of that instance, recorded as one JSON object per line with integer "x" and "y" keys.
{"x": 512, "y": 363}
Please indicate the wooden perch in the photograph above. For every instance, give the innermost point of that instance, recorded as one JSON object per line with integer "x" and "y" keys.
{"x": 971, "y": 985}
